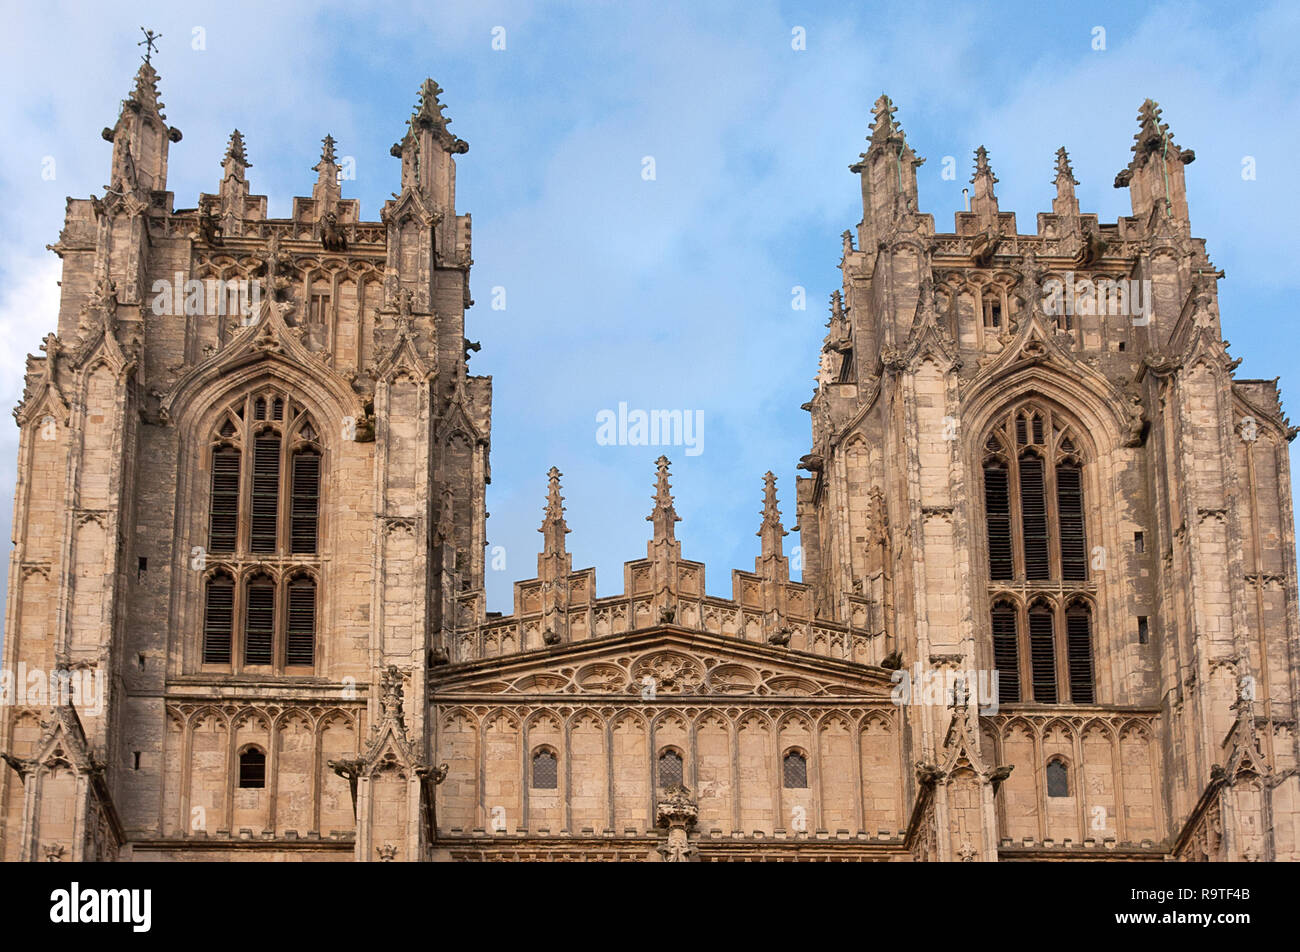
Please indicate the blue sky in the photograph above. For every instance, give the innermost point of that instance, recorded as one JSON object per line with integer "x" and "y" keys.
{"x": 672, "y": 293}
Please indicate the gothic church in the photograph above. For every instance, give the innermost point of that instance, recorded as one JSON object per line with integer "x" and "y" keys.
{"x": 251, "y": 542}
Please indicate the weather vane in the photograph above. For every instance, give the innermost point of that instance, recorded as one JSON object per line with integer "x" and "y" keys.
{"x": 147, "y": 42}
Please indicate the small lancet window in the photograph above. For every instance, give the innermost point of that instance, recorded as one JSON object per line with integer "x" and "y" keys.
{"x": 545, "y": 770}
{"x": 794, "y": 770}
{"x": 1058, "y": 779}
{"x": 670, "y": 768}
{"x": 252, "y": 769}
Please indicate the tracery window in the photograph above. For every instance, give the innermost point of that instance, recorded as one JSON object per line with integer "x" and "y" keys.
{"x": 260, "y": 598}
{"x": 1041, "y": 619}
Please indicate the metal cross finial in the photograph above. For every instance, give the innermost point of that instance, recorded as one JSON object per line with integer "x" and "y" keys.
{"x": 148, "y": 42}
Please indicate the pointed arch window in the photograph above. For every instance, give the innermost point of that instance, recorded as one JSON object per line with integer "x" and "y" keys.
{"x": 261, "y": 605}
{"x": 252, "y": 768}
{"x": 794, "y": 770}
{"x": 1043, "y": 652}
{"x": 1034, "y": 500}
{"x": 1058, "y": 778}
{"x": 1006, "y": 652}
{"x": 546, "y": 774}
{"x": 218, "y": 619}
{"x": 670, "y": 767}
{"x": 1035, "y": 516}
{"x": 1078, "y": 642}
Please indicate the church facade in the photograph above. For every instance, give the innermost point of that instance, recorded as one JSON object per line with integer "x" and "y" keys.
{"x": 1048, "y": 607}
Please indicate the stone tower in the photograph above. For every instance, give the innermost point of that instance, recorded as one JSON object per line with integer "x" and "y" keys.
{"x": 251, "y": 506}
{"x": 1031, "y": 457}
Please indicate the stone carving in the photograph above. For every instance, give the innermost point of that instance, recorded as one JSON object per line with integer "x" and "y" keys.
{"x": 677, "y": 813}
{"x": 673, "y": 673}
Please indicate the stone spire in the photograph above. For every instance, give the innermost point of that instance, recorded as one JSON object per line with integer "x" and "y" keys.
{"x": 554, "y": 528}
{"x": 233, "y": 192}
{"x": 1065, "y": 204}
{"x": 771, "y": 531}
{"x": 326, "y": 192}
{"x": 664, "y": 515}
{"x": 554, "y": 565}
{"x": 983, "y": 203}
{"x": 772, "y": 567}
{"x": 236, "y": 161}
{"x": 140, "y": 137}
{"x": 1155, "y": 173}
{"x": 888, "y": 171}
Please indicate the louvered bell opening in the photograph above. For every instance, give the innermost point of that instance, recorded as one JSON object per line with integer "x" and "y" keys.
{"x": 300, "y": 646}
{"x": 1038, "y": 430}
{"x": 1021, "y": 433}
{"x": 259, "y": 409}
{"x": 1078, "y": 634}
{"x": 277, "y": 409}
{"x": 997, "y": 509}
{"x": 1069, "y": 504}
{"x": 1006, "y": 654}
{"x": 266, "y": 493}
{"x": 218, "y": 618}
{"x": 259, "y": 623}
{"x": 1042, "y": 655}
{"x": 223, "y": 517}
{"x": 1033, "y": 516}
{"x": 306, "y": 501}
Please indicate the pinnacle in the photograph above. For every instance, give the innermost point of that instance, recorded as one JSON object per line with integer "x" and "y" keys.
{"x": 554, "y": 501}
{"x": 771, "y": 511}
{"x": 663, "y": 515}
{"x": 982, "y": 165}
{"x": 1149, "y": 125}
{"x": 1063, "y": 169}
{"x": 327, "y": 149}
{"x": 235, "y": 150}
{"x": 430, "y": 108}
{"x": 553, "y": 526}
{"x": 884, "y": 127}
{"x": 146, "y": 88}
